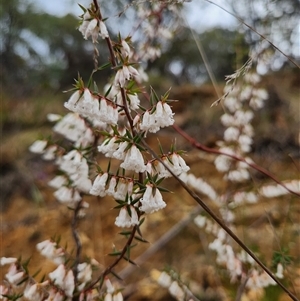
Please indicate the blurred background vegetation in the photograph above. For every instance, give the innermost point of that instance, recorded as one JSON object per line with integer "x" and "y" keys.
{"x": 41, "y": 54}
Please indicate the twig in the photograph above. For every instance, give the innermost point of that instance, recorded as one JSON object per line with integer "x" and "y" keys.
{"x": 254, "y": 30}
{"x": 164, "y": 239}
{"x": 220, "y": 222}
{"x": 76, "y": 238}
{"x": 204, "y": 148}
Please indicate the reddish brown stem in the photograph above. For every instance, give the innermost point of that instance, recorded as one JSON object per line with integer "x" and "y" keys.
{"x": 206, "y": 149}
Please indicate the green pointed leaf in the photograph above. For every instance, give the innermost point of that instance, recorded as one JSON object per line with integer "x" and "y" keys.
{"x": 141, "y": 239}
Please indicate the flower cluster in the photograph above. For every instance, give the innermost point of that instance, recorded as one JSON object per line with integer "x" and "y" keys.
{"x": 239, "y": 103}
{"x": 236, "y": 263}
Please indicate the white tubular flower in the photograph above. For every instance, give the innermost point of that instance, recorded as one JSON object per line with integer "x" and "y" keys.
{"x": 134, "y": 160}
{"x": 49, "y": 153}
{"x": 111, "y": 190}
{"x": 160, "y": 169}
{"x": 32, "y": 293}
{"x": 124, "y": 220}
{"x": 38, "y": 147}
{"x": 245, "y": 143}
{"x": 14, "y": 276}
{"x": 53, "y": 117}
{"x": 149, "y": 123}
{"x": 279, "y": 272}
{"x": 239, "y": 175}
{"x": 179, "y": 166}
{"x": 51, "y": 251}
{"x": 108, "y": 297}
{"x": 108, "y": 147}
{"x": 125, "y": 49}
{"x": 92, "y": 30}
{"x": 58, "y": 182}
{"x": 118, "y": 297}
{"x": 200, "y": 221}
{"x": 7, "y": 260}
{"x": 231, "y": 134}
{"x": 99, "y": 184}
{"x": 64, "y": 279}
{"x": 176, "y": 291}
{"x": 84, "y": 274}
{"x": 152, "y": 200}
{"x": 120, "y": 152}
{"x": 124, "y": 74}
{"x": 227, "y": 120}
{"x": 223, "y": 163}
{"x": 164, "y": 280}
{"x": 3, "y": 291}
{"x": 103, "y": 30}
{"x": 109, "y": 287}
{"x": 67, "y": 195}
{"x": 72, "y": 102}
{"x": 121, "y": 190}
{"x": 55, "y": 295}
{"x": 163, "y": 114}
{"x": 69, "y": 284}
{"x": 73, "y": 128}
{"x": 134, "y": 101}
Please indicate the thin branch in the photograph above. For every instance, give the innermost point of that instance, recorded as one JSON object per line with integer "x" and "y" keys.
{"x": 204, "y": 148}
{"x": 220, "y": 222}
{"x": 254, "y": 30}
{"x": 76, "y": 238}
{"x": 163, "y": 240}
{"x": 108, "y": 270}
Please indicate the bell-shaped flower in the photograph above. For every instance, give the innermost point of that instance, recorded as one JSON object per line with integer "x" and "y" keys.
{"x": 33, "y": 292}
{"x": 108, "y": 147}
{"x": 38, "y": 147}
{"x": 125, "y": 50}
{"x": 122, "y": 189}
{"x": 99, "y": 184}
{"x": 124, "y": 74}
{"x": 7, "y": 260}
{"x": 126, "y": 220}
{"x": 149, "y": 123}
{"x": 14, "y": 275}
{"x": 178, "y": 164}
{"x": 84, "y": 274}
{"x": 164, "y": 114}
{"x": 152, "y": 200}
{"x": 50, "y": 250}
{"x": 64, "y": 279}
{"x": 103, "y": 30}
{"x": 134, "y": 160}
{"x": 120, "y": 152}
{"x": 69, "y": 196}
